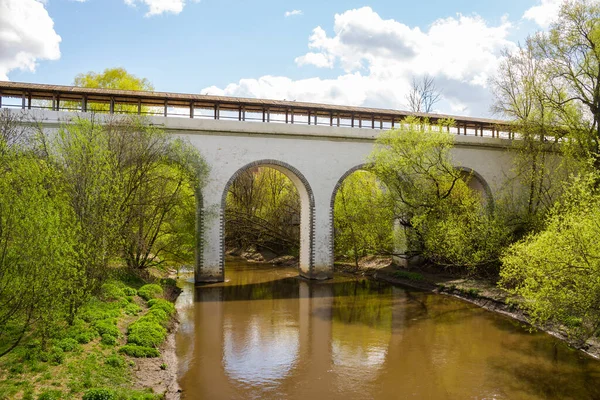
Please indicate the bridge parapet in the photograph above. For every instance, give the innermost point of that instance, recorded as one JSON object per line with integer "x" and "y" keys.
{"x": 197, "y": 106}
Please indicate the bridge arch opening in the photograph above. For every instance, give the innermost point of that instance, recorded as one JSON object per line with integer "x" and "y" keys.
{"x": 362, "y": 220}
{"x": 303, "y": 221}
{"x": 478, "y": 184}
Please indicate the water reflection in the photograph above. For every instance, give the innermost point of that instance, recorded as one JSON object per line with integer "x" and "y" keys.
{"x": 268, "y": 334}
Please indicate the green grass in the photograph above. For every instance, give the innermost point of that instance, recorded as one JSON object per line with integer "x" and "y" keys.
{"x": 91, "y": 359}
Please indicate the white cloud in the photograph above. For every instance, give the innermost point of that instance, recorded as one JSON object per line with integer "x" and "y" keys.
{"x": 544, "y": 13}
{"x": 157, "y": 7}
{"x": 26, "y": 35}
{"x": 292, "y": 13}
{"x": 380, "y": 57}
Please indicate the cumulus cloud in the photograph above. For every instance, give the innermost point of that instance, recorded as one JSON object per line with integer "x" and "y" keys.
{"x": 292, "y": 13}
{"x": 544, "y": 13}
{"x": 378, "y": 59}
{"x": 157, "y": 7}
{"x": 26, "y": 35}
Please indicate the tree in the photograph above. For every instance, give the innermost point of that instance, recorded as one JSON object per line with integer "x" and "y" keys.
{"x": 449, "y": 224}
{"x": 113, "y": 78}
{"x": 363, "y": 217}
{"x": 263, "y": 211}
{"x": 36, "y": 241}
{"x": 423, "y": 95}
{"x": 551, "y": 86}
{"x": 555, "y": 274}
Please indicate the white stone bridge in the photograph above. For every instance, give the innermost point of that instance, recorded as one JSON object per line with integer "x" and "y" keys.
{"x": 315, "y": 145}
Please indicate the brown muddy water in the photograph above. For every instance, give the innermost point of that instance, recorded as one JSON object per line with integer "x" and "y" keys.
{"x": 267, "y": 334}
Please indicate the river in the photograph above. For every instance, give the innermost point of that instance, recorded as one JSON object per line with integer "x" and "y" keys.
{"x": 267, "y": 334}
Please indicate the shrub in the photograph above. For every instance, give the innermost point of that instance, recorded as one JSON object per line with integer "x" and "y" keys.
{"x": 146, "y": 333}
{"x": 68, "y": 344}
{"x": 86, "y": 336}
{"x": 133, "y": 309}
{"x": 139, "y": 351}
{"x": 99, "y": 394}
{"x": 129, "y": 291}
{"x": 115, "y": 361}
{"x": 108, "y": 339}
{"x": 150, "y": 291}
{"x": 162, "y": 304}
{"x": 411, "y": 276}
{"x": 107, "y": 327}
{"x": 110, "y": 291}
{"x": 56, "y": 355}
{"x": 50, "y": 395}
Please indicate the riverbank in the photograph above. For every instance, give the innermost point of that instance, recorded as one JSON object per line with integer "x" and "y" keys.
{"x": 103, "y": 353}
{"x": 483, "y": 293}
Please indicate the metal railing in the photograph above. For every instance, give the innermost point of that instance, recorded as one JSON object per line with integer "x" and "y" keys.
{"x": 78, "y": 99}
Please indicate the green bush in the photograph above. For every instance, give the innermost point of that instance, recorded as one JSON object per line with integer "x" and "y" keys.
{"x": 146, "y": 333}
{"x": 99, "y": 394}
{"x": 139, "y": 351}
{"x": 107, "y": 326}
{"x": 50, "y": 395}
{"x": 115, "y": 361}
{"x": 162, "y": 304}
{"x": 411, "y": 276}
{"x": 109, "y": 339}
{"x": 150, "y": 291}
{"x": 133, "y": 309}
{"x": 86, "y": 336}
{"x": 68, "y": 344}
{"x": 111, "y": 291}
{"x": 93, "y": 315}
{"x": 56, "y": 355}
{"x": 129, "y": 291}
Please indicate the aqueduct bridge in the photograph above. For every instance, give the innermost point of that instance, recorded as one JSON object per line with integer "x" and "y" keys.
{"x": 315, "y": 145}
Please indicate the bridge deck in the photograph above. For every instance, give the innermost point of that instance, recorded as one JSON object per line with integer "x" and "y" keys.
{"x": 72, "y": 98}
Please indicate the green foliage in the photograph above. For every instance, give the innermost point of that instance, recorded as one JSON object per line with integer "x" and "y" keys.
{"x": 132, "y": 309}
{"x": 446, "y": 221}
{"x": 411, "y": 276}
{"x": 133, "y": 350}
{"x": 129, "y": 291}
{"x": 263, "y": 211}
{"x": 557, "y": 271}
{"x": 363, "y": 217}
{"x": 99, "y": 394}
{"x": 162, "y": 304}
{"x": 50, "y": 395}
{"x": 107, "y": 326}
{"x": 150, "y": 291}
{"x": 146, "y": 332}
{"x": 115, "y": 361}
{"x": 68, "y": 344}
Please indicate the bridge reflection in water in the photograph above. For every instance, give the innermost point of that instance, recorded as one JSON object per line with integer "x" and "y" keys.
{"x": 265, "y": 333}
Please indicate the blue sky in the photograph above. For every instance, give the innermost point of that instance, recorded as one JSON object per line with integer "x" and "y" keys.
{"x": 345, "y": 52}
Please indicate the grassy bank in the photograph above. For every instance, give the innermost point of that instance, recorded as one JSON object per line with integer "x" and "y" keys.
{"x": 95, "y": 358}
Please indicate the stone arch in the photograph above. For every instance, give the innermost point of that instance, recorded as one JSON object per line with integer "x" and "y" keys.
{"x": 359, "y": 167}
{"x": 307, "y": 213}
{"x": 478, "y": 183}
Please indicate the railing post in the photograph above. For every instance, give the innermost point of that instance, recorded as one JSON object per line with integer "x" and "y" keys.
{"x": 191, "y": 109}
{"x": 373, "y": 121}
{"x": 268, "y": 114}
{"x": 243, "y": 113}
{"x": 359, "y": 121}
{"x": 23, "y": 101}
{"x": 309, "y": 117}
{"x": 217, "y": 111}
{"x": 112, "y": 105}
{"x": 166, "y": 107}
{"x": 292, "y": 115}
{"x": 29, "y": 100}
{"x": 338, "y": 119}
{"x": 140, "y": 106}
{"x": 240, "y": 113}
{"x": 330, "y": 118}
{"x": 352, "y": 121}
{"x": 0, "y": 99}
{"x": 393, "y": 122}
{"x": 263, "y": 112}
{"x": 287, "y": 112}
{"x": 84, "y": 103}
{"x": 316, "y": 121}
